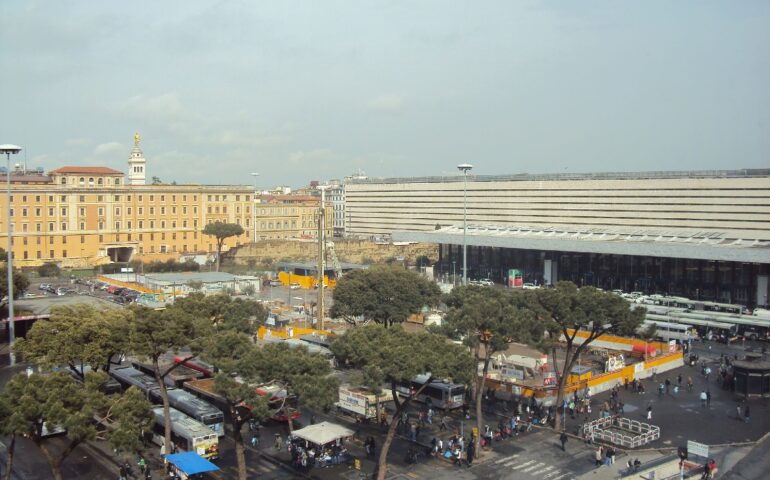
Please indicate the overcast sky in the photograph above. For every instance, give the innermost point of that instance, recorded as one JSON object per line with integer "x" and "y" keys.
{"x": 312, "y": 90}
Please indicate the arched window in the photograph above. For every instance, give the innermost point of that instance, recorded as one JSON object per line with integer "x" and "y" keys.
{"x": 82, "y": 180}
{"x": 90, "y": 180}
{"x": 100, "y": 181}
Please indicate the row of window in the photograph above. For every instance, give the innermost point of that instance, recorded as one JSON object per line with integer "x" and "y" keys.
{"x": 161, "y": 249}
{"x": 101, "y": 198}
{"x": 82, "y": 181}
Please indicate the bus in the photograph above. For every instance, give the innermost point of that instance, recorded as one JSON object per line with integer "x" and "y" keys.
{"x": 438, "y": 394}
{"x": 183, "y": 401}
{"x": 194, "y": 408}
{"x": 703, "y": 327}
{"x": 206, "y": 369}
{"x": 186, "y": 433}
{"x": 284, "y": 406}
{"x": 667, "y": 331}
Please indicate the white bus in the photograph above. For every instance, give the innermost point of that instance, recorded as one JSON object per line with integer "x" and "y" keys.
{"x": 667, "y": 331}
{"x": 187, "y": 434}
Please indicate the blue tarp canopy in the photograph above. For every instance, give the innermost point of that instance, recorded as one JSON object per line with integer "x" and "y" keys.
{"x": 191, "y": 463}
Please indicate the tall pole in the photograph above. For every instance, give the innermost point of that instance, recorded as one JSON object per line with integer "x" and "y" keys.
{"x": 254, "y": 207}
{"x": 321, "y": 252}
{"x": 465, "y": 167}
{"x": 8, "y": 150}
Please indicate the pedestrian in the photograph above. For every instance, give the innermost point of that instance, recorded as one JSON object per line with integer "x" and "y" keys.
{"x": 278, "y": 441}
{"x": 625, "y": 383}
{"x": 122, "y": 473}
{"x": 649, "y": 412}
{"x": 142, "y": 463}
{"x": 443, "y": 426}
{"x": 679, "y": 379}
{"x": 563, "y": 439}
{"x": 689, "y": 384}
{"x": 668, "y": 384}
{"x": 703, "y": 398}
{"x": 598, "y": 456}
{"x": 470, "y": 452}
{"x": 746, "y": 413}
{"x": 610, "y": 455}
{"x": 254, "y": 440}
{"x": 661, "y": 389}
{"x": 738, "y": 409}
{"x": 708, "y": 398}
{"x": 429, "y": 416}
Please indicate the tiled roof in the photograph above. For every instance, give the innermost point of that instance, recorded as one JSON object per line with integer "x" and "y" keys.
{"x": 87, "y": 170}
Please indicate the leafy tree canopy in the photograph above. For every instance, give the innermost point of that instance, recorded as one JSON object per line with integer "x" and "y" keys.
{"x": 48, "y": 269}
{"x": 77, "y": 335}
{"x": 386, "y": 295}
{"x": 222, "y": 231}
{"x": 224, "y": 312}
{"x": 20, "y": 283}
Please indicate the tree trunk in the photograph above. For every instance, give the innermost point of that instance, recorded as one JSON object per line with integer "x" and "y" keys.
{"x": 561, "y": 384}
{"x": 480, "y": 384}
{"x": 56, "y": 461}
{"x": 382, "y": 462}
{"x": 219, "y": 251}
{"x": 240, "y": 455}
{"x": 166, "y": 408}
{"x": 9, "y": 461}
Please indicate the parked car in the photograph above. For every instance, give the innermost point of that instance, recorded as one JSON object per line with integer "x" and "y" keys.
{"x": 529, "y": 286}
{"x": 275, "y": 283}
{"x": 44, "y": 286}
{"x": 294, "y": 286}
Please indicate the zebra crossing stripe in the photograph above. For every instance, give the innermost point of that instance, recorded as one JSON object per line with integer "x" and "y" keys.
{"x": 555, "y": 472}
{"x": 549, "y": 467}
{"x": 561, "y": 476}
{"x": 522, "y": 465}
{"x": 505, "y": 459}
{"x": 532, "y": 467}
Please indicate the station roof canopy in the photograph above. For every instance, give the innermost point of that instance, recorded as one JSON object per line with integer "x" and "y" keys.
{"x": 678, "y": 243}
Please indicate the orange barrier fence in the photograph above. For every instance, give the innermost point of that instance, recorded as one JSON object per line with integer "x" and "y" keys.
{"x": 289, "y": 332}
{"x": 132, "y": 285}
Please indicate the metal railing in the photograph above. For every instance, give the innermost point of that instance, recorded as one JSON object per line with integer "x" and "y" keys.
{"x": 599, "y": 429}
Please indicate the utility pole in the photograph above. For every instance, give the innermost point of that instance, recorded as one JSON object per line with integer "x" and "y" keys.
{"x": 321, "y": 255}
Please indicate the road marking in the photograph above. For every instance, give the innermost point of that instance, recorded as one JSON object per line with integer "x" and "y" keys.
{"x": 522, "y": 465}
{"x": 549, "y": 467}
{"x": 532, "y": 467}
{"x": 555, "y": 472}
{"x": 560, "y": 476}
{"x": 505, "y": 459}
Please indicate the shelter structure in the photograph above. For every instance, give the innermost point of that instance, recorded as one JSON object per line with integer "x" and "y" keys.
{"x": 752, "y": 379}
{"x": 188, "y": 464}
{"x": 323, "y": 433}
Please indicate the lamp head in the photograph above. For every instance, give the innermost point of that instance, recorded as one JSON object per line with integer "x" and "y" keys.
{"x": 255, "y": 174}
{"x": 9, "y": 149}
{"x": 464, "y": 167}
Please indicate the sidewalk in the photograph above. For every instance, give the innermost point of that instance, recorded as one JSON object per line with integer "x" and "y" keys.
{"x": 613, "y": 472}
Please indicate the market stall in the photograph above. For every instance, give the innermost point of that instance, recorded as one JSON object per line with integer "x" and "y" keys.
{"x": 320, "y": 445}
{"x": 188, "y": 465}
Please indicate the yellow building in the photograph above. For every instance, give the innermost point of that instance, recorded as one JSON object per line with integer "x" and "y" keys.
{"x": 85, "y": 216}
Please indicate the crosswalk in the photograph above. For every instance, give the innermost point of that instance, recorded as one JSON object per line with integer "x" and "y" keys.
{"x": 532, "y": 468}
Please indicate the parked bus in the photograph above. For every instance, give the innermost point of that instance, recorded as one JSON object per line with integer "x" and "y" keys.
{"x": 438, "y": 394}
{"x": 284, "y": 406}
{"x": 186, "y": 433}
{"x": 667, "y": 331}
{"x": 183, "y": 401}
{"x": 703, "y": 327}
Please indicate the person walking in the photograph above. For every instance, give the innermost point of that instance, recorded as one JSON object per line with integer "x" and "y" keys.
{"x": 278, "y": 442}
{"x": 679, "y": 379}
{"x": 703, "y": 398}
{"x": 443, "y": 426}
{"x": 563, "y": 439}
{"x": 254, "y": 440}
{"x": 649, "y": 412}
{"x": 470, "y": 452}
{"x": 668, "y": 385}
{"x": 738, "y": 409}
{"x": 708, "y": 398}
{"x": 689, "y": 384}
{"x": 598, "y": 456}
{"x": 746, "y": 413}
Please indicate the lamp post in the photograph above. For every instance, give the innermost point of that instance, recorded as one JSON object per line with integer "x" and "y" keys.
{"x": 465, "y": 168}
{"x": 254, "y": 206}
{"x": 8, "y": 150}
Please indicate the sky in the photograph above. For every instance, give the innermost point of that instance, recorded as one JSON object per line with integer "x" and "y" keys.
{"x": 315, "y": 90}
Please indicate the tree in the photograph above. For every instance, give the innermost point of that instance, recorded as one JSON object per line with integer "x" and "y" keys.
{"x": 56, "y": 400}
{"x": 48, "y": 269}
{"x": 152, "y": 334}
{"x": 566, "y": 310}
{"x": 422, "y": 261}
{"x": 222, "y": 231}
{"x": 488, "y": 320}
{"x": 226, "y": 349}
{"x": 156, "y": 181}
{"x": 397, "y": 356}
{"x": 20, "y": 283}
{"x": 386, "y": 295}
{"x": 224, "y": 312}
{"x": 77, "y": 336}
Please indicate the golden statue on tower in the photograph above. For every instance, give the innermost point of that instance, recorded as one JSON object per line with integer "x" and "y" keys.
{"x": 137, "y": 138}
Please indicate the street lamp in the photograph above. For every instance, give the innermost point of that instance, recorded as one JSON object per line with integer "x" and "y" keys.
{"x": 254, "y": 206}
{"x": 465, "y": 168}
{"x": 8, "y": 150}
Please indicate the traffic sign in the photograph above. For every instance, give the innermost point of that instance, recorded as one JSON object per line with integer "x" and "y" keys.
{"x": 699, "y": 449}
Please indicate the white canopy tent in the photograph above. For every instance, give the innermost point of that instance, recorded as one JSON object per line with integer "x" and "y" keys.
{"x": 323, "y": 433}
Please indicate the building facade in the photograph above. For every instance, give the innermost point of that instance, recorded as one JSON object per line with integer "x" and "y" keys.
{"x": 85, "y": 216}
{"x": 703, "y": 235}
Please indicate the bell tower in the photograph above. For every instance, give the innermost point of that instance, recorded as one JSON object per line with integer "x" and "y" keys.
{"x": 136, "y": 164}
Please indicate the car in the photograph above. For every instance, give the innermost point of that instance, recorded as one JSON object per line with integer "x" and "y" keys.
{"x": 275, "y": 283}
{"x": 486, "y": 282}
{"x": 44, "y": 286}
{"x": 529, "y": 286}
{"x": 61, "y": 291}
{"x": 294, "y": 286}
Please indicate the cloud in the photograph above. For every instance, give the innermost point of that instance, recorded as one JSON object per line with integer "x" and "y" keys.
{"x": 106, "y": 148}
{"x": 385, "y": 104}
{"x": 77, "y": 142}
